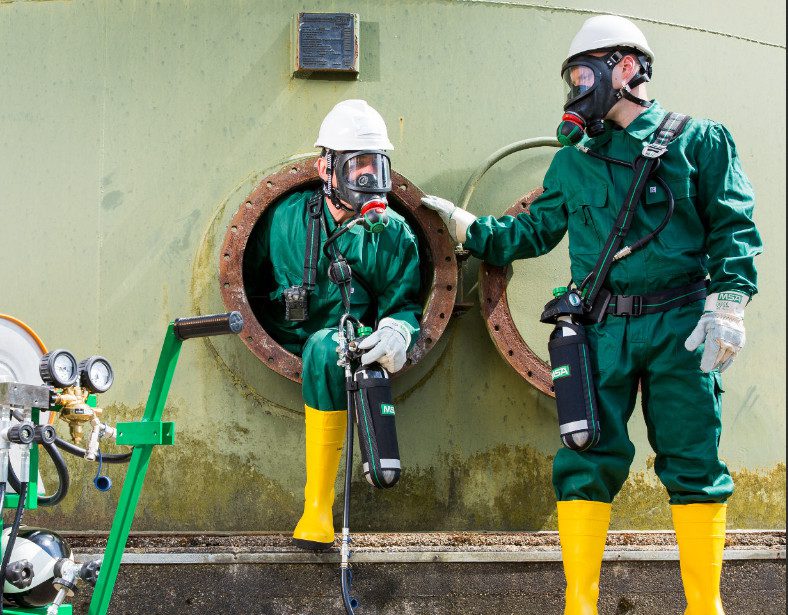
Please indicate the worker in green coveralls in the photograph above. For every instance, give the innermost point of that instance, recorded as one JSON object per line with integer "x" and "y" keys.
{"x": 674, "y": 321}
{"x": 302, "y": 310}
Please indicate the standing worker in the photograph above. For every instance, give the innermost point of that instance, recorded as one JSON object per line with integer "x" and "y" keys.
{"x": 286, "y": 276}
{"x": 666, "y": 313}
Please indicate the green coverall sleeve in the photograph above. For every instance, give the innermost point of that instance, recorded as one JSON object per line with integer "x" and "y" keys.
{"x": 502, "y": 240}
{"x": 399, "y": 299}
{"x": 725, "y": 204}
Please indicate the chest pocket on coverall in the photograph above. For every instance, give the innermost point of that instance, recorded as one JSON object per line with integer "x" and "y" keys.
{"x": 589, "y": 220}
{"x": 685, "y": 230}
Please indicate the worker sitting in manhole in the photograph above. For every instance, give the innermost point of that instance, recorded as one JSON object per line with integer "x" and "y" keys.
{"x": 291, "y": 278}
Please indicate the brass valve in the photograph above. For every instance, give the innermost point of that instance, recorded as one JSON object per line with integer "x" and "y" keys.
{"x": 75, "y": 411}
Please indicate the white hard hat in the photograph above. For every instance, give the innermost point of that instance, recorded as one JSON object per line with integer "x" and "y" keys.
{"x": 608, "y": 32}
{"x": 353, "y": 125}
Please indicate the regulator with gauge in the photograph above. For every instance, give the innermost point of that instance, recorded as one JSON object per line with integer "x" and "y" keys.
{"x": 95, "y": 374}
{"x": 59, "y": 368}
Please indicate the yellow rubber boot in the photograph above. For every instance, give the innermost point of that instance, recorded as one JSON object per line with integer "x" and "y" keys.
{"x": 700, "y": 532}
{"x": 325, "y": 434}
{"x": 582, "y": 527}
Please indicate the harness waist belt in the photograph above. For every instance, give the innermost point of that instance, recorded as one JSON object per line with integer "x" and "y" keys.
{"x": 637, "y": 305}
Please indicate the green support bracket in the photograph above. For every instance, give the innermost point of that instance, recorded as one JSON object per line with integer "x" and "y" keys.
{"x": 139, "y": 433}
{"x": 138, "y": 467}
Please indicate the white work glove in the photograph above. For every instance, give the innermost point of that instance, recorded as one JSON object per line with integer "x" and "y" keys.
{"x": 721, "y": 328}
{"x": 457, "y": 220}
{"x": 388, "y": 345}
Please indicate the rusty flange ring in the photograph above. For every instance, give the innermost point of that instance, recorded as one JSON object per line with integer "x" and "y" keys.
{"x": 434, "y": 243}
{"x": 498, "y": 317}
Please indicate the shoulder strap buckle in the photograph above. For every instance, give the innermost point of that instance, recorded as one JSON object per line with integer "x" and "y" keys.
{"x": 314, "y": 205}
{"x": 654, "y": 150}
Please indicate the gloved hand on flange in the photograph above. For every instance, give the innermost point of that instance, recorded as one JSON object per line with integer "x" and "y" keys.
{"x": 457, "y": 220}
{"x": 721, "y": 328}
{"x": 388, "y": 345}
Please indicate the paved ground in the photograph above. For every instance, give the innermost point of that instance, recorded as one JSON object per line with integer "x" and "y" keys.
{"x": 424, "y": 587}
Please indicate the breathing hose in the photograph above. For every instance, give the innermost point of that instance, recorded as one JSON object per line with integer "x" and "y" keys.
{"x": 671, "y": 199}
{"x": 347, "y": 323}
{"x": 338, "y": 233}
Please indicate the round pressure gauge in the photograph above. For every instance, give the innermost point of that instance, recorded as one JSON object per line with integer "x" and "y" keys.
{"x": 95, "y": 374}
{"x": 59, "y": 368}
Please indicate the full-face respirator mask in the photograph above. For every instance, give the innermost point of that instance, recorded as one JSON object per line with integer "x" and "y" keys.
{"x": 363, "y": 180}
{"x": 591, "y": 96}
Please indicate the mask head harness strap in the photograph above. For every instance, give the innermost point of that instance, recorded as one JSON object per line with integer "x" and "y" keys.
{"x": 328, "y": 186}
{"x": 642, "y": 76}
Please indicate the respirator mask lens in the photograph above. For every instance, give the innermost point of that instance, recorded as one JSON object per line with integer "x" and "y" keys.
{"x": 367, "y": 172}
{"x": 578, "y": 80}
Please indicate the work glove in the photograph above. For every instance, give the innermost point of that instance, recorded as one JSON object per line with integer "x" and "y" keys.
{"x": 457, "y": 220}
{"x": 388, "y": 345}
{"x": 721, "y": 329}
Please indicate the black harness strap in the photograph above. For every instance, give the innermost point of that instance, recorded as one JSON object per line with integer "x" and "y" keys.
{"x": 312, "y": 254}
{"x": 645, "y": 164}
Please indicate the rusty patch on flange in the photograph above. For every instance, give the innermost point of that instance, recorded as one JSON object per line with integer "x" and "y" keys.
{"x": 498, "y": 316}
{"x": 405, "y": 198}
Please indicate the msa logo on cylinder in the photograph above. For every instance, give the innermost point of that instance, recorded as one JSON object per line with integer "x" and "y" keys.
{"x": 560, "y": 372}
{"x": 387, "y": 409}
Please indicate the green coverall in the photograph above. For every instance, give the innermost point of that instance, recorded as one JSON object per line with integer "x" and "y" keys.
{"x": 384, "y": 264}
{"x": 711, "y": 233}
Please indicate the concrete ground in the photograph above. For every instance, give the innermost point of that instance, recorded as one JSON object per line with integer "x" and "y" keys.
{"x": 423, "y": 574}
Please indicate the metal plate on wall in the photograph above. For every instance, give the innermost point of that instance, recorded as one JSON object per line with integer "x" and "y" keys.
{"x": 326, "y": 42}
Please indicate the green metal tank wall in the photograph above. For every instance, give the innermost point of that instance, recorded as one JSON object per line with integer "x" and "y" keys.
{"x": 131, "y": 132}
